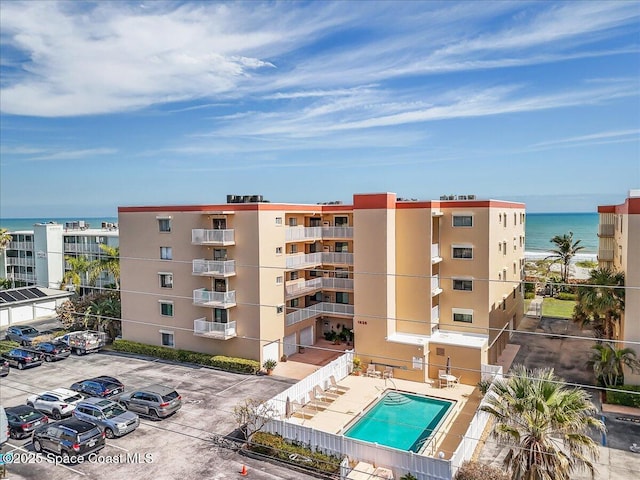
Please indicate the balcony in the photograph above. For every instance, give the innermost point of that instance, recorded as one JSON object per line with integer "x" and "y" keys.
{"x": 339, "y": 258}
{"x": 20, "y": 246}
{"x": 218, "y": 330}
{"x": 606, "y": 230}
{"x": 212, "y": 237}
{"x": 323, "y": 308}
{"x": 435, "y": 286}
{"x": 82, "y": 248}
{"x": 301, "y": 260}
{"x": 214, "y": 268}
{"x": 435, "y": 253}
{"x": 303, "y": 288}
{"x": 310, "y": 234}
{"x": 605, "y": 255}
{"x": 206, "y": 298}
{"x": 435, "y": 314}
{"x": 21, "y": 261}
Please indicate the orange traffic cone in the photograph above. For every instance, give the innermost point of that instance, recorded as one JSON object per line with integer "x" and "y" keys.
{"x": 243, "y": 472}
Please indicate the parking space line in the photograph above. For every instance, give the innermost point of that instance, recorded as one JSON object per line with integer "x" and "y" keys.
{"x": 56, "y": 464}
{"x": 233, "y": 386}
{"x": 116, "y": 446}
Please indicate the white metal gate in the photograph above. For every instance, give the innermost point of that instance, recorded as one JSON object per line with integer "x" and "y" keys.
{"x": 290, "y": 345}
{"x": 271, "y": 351}
{"x": 306, "y": 336}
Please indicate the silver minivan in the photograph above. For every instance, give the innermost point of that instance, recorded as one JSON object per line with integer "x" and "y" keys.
{"x": 110, "y": 416}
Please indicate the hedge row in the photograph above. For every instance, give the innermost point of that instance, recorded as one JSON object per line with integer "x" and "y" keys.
{"x": 566, "y": 296}
{"x": 240, "y": 365}
{"x": 301, "y": 455}
{"x": 6, "y": 345}
{"x": 631, "y": 399}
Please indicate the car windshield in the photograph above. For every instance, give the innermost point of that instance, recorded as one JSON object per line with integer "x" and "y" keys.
{"x": 113, "y": 411}
{"x": 29, "y": 331}
{"x": 30, "y": 416}
{"x": 170, "y": 396}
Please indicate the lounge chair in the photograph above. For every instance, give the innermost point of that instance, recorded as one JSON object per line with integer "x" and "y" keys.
{"x": 388, "y": 372}
{"x": 334, "y": 387}
{"x": 324, "y": 395}
{"x": 302, "y": 411}
{"x": 371, "y": 371}
{"x": 317, "y": 403}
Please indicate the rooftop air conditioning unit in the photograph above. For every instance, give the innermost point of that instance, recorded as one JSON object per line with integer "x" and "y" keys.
{"x": 451, "y": 197}
{"x": 443, "y": 197}
{"x": 462, "y": 197}
{"x": 471, "y": 197}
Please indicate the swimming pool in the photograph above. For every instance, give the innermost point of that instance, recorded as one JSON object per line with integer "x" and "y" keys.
{"x": 401, "y": 420}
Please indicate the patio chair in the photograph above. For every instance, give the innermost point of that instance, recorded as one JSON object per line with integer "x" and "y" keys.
{"x": 334, "y": 387}
{"x": 371, "y": 371}
{"x": 453, "y": 381}
{"x": 316, "y": 403}
{"x": 442, "y": 377}
{"x": 388, "y": 372}
{"x": 302, "y": 411}
{"x": 324, "y": 395}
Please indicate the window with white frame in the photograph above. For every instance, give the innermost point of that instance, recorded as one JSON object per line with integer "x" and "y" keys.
{"x": 294, "y": 303}
{"x": 462, "y": 315}
{"x": 278, "y": 250}
{"x": 293, "y": 248}
{"x": 167, "y": 338}
{"x": 166, "y": 253}
{"x": 220, "y": 315}
{"x": 462, "y": 252}
{"x": 460, "y": 220}
{"x": 279, "y": 280}
{"x": 166, "y": 308}
{"x": 293, "y": 222}
{"x": 342, "y": 297}
{"x": 166, "y": 280}
{"x": 278, "y": 220}
{"x": 341, "y": 221}
{"x": 463, "y": 284}
{"x": 164, "y": 225}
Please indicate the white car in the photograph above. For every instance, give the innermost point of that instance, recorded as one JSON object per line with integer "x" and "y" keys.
{"x": 58, "y": 403}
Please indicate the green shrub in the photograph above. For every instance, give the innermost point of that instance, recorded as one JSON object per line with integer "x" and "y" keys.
{"x": 631, "y": 399}
{"x": 480, "y": 471}
{"x": 301, "y": 455}
{"x": 6, "y": 345}
{"x": 529, "y": 295}
{"x": 240, "y": 365}
{"x": 566, "y": 296}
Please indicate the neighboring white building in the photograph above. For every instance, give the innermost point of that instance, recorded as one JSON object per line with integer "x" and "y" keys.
{"x": 37, "y": 257}
{"x": 19, "y": 305}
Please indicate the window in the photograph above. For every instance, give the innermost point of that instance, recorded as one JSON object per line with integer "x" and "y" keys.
{"x": 166, "y": 280}
{"x": 278, "y": 220}
{"x": 279, "y": 280}
{"x": 295, "y": 303}
{"x": 466, "y": 285}
{"x": 278, "y": 250}
{"x": 166, "y": 309}
{"x": 341, "y": 221}
{"x": 167, "y": 339}
{"x": 164, "y": 224}
{"x": 504, "y": 218}
{"x": 515, "y": 218}
{"x": 463, "y": 220}
{"x": 462, "y": 315}
{"x": 462, "y": 252}
{"x": 342, "y": 297}
{"x": 293, "y": 249}
{"x": 293, "y": 222}
{"x": 504, "y": 248}
{"x": 220, "y": 315}
{"x": 279, "y": 309}
{"x": 220, "y": 254}
{"x": 342, "y": 247}
{"x": 342, "y": 273}
{"x": 166, "y": 253}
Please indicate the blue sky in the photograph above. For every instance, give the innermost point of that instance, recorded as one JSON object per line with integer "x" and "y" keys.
{"x": 106, "y": 104}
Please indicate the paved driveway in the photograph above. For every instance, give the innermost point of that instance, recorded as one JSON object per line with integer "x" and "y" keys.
{"x": 568, "y": 357}
{"x": 179, "y": 446}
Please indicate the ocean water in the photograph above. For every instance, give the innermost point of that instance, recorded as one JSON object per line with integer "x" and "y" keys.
{"x": 540, "y": 228}
{"x": 13, "y": 224}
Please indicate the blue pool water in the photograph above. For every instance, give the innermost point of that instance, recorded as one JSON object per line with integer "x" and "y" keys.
{"x": 401, "y": 420}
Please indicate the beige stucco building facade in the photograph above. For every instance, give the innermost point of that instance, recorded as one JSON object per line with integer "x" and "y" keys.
{"x": 415, "y": 283}
{"x": 619, "y": 249}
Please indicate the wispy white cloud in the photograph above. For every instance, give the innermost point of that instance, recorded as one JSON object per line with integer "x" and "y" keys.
{"x": 75, "y": 154}
{"x": 623, "y": 135}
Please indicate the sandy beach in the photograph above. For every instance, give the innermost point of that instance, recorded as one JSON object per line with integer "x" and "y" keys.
{"x": 579, "y": 273}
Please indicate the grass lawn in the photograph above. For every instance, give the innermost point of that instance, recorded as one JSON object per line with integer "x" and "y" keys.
{"x": 552, "y": 307}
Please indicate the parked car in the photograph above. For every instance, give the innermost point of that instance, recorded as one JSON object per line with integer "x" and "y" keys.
{"x": 103, "y": 387}
{"x": 23, "y": 419}
{"x": 70, "y": 437}
{"x": 24, "y": 335}
{"x": 21, "y": 358}
{"x": 108, "y": 415}
{"x": 157, "y": 401}
{"x": 4, "y": 367}
{"x": 4, "y": 427}
{"x": 53, "y": 350}
{"x": 58, "y": 403}
{"x": 86, "y": 341}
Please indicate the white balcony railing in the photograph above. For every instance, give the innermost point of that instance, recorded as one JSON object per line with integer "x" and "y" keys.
{"x": 606, "y": 229}
{"x": 21, "y": 261}
{"x": 20, "y": 246}
{"x": 218, "y": 330}
{"x": 435, "y": 285}
{"x": 323, "y": 308}
{"x": 435, "y": 314}
{"x": 82, "y": 248}
{"x": 294, "y": 234}
{"x": 302, "y": 288}
{"x": 207, "y": 298}
{"x": 212, "y": 237}
{"x": 435, "y": 250}
{"x": 337, "y": 257}
{"x": 301, "y": 260}
{"x": 214, "y": 267}
{"x": 333, "y": 283}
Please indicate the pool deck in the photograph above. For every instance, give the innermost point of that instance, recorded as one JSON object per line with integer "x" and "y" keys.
{"x": 365, "y": 390}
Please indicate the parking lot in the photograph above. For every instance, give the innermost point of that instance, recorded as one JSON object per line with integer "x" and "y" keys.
{"x": 178, "y": 447}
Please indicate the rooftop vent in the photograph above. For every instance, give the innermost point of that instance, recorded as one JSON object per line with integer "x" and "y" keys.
{"x": 246, "y": 199}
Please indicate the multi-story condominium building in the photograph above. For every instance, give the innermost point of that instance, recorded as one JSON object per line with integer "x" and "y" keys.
{"x": 417, "y": 282}
{"x": 619, "y": 240}
{"x": 37, "y": 257}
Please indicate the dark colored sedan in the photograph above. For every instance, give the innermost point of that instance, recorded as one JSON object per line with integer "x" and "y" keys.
{"x": 23, "y": 420}
{"x": 53, "y": 351}
{"x": 70, "y": 437}
{"x": 4, "y": 367}
{"x": 22, "y": 358}
{"x": 103, "y": 387}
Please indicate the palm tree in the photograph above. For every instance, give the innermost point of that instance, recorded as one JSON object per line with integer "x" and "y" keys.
{"x": 565, "y": 250}
{"x": 5, "y": 239}
{"x": 78, "y": 268}
{"x": 545, "y": 423}
{"x": 109, "y": 261}
{"x": 607, "y": 363}
{"x": 601, "y": 301}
